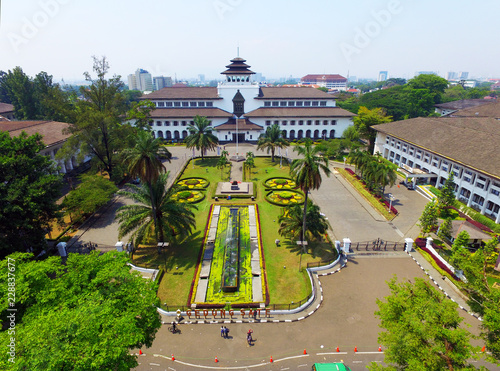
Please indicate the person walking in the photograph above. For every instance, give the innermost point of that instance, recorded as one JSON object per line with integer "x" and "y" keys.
{"x": 226, "y": 333}
{"x": 249, "y": 337}
{"x": 222, "y": 331}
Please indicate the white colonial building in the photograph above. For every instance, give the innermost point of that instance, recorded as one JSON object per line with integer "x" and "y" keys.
{"x": 240, "y": 107}
{"x": 466, "y": 145}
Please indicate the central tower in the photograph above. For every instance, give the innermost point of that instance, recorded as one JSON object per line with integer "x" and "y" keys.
{"x": 238, "y": 72}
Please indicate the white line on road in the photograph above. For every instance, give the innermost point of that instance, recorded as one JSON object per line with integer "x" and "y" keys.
{"x": 323, "y": 354}
{"x": 284, "y": 359}
{"x": 369, "y": 353}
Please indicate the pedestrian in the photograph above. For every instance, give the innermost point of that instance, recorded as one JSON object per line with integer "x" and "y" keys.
{"x": 222, "y": 331}
{"x": 226, "y": 332}
{"x": 249, "y": 338}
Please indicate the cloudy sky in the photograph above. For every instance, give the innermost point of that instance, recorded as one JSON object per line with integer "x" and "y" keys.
{"x": 279, "y": 38}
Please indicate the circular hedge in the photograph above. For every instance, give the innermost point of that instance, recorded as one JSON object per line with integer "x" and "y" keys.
{"x": 285, "y": 198}
{"x": 193, "y": 183}
{"x": 280, "y": 183}
{"x": 189, "y": 196}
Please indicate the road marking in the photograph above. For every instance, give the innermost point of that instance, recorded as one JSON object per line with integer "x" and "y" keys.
{"x": 369, "y": 353}
{"x": 322, "y": 354}
{"x": 293, "y": 357}
{"x": 154, "y": 364}
{"x": 211, "y": 367}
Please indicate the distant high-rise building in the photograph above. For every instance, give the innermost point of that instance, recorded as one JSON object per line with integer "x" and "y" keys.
{"x": 141, "y": 80}
{"x": 382, "y": 76}
{"x": 258, "y": 77}
{"x": 452, "y": 76}
{"x": 161, "y": 82}
{"x": 132, "y": 83}
{"x": 464, "y": 75}
{"x": 201, "y": 77}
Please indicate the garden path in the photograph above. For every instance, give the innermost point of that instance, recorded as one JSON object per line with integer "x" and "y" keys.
{"x": 236, "y": 171}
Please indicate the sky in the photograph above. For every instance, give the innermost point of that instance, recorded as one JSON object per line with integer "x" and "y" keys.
{"x": 278, "y": 38}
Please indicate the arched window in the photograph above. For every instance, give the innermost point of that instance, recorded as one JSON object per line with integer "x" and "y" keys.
{"x": 316, "y": 134}
{"x": 168, "y": 135}
{"x": 176, "y": 134}
{"x": 160, "y": 134}
{"x": 184, "y": 134}
{"x": 292, "y": 134}
{"x": 308, "y": 134}
{"x": 300, "y": 135}
{"x": 332, "y": 134}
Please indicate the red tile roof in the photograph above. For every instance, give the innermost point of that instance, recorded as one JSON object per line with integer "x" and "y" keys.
{"x": 52, "y": 131}
{"x": 322, "y": 77}
{"x": 6, "y": 108}
{"x": 301, "y": 92}
{"x": 243, "y": 124}
{"x": 300, "y": 112}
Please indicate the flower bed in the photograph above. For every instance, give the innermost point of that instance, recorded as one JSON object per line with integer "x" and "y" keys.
{"x": 285, "y": 198}
{"x": 421, "y": 243}
{"x": 280, "y": 183}
{"x": 193, "y": 183}
{"x": 189, "y": 196}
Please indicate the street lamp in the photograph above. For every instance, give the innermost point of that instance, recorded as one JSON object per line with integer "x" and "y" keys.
{"x": 391, "y": 198}
{"x": 301, "y": 244}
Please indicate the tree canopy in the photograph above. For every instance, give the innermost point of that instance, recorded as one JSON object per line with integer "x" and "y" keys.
{"x": 365, "y": 120}
{"x": 422, "y": 329}
{"x": 201, "y": 136}
{"x": 271, "y": 140}
{"x": 29, "y": 188}
{"x": 87, "y": 314}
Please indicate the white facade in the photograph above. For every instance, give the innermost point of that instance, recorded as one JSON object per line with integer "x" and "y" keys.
{"x": 474, "y": 188}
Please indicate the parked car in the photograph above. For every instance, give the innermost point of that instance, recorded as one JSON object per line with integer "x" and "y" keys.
{"x": 330, "y": 367}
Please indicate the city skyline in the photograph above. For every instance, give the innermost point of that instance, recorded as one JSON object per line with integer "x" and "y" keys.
{"x": 278, "y": 39}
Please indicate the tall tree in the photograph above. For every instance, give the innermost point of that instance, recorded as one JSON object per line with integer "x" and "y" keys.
{"x": 222, "y": 163}
{"x": 306, "y": 172}
{"x": 271, "y": 140}
{"x": 292, "y": 220}
{"x": 447, "y": 196}
{"x": 435, "y": 85}
{"x": 98, "y": 131}
{"x": 484, "y": 299}
{"x": 88, "y": 313}
{"x": 29, "y": 188}
{"x": 200, "y": 135}
{"x": 360, "y": 159}
{"x": 365, "y": 120}
{"x": 144, "y": 162}
{"x": 429, "y": 217}
{"x": 20, "y": 90}
{"x": 249, "y": 162}
{"x": 173, "y": 219}
{"x": 140, "y": 113}
{"x": 422, "y": 329}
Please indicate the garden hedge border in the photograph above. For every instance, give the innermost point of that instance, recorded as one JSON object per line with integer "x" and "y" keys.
{"x": 181, "y": 187}
{"x": 203, "y": 192}
{"x": 277, "y": 177}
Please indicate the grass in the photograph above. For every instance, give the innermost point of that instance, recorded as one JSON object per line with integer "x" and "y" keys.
{"x": 366, "y": 194}
{"x": 285, "y": 282}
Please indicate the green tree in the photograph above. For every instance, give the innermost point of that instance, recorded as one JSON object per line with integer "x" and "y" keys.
{"x": 98, "y": 130}
{"x": 292, "y": 220}
{"x": 86, "y": 314}
{"x": 222, "y": 163}
{"x": 483, "y": 298}
{"x": 249, "y": 162}
{"x": 422, "y": 329}
{"x": 271, "y": 140}
{"x": 93, "y": 192}
{"x": 429, "y": 217}
{"x": 174, "y": 219}
{"x": 434, "y": 84}
{"x": 29, "y": 188}
{"x": 365, "y": 120}
{"x": 140, "y": 113}
{"x": 20, "y": 90}
{"x": 360, "y": 159}
{"x": 306, "y": 172}
{"x": 200, "y": 135}
{"x": 461, "y": 242}
{"x": 444, "y": 231}
{"x": 447, "y": 196}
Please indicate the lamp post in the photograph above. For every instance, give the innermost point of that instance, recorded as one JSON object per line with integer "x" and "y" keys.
{"x": 301, "y": 244}
{"x": 391, "y": 198}
{"x": 161, "y": 248}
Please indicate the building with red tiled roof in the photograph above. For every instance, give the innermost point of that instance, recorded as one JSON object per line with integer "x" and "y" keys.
{"x": 240, "y": 109}
{"x": 6, "y": 111}
{"x": 334, "y": 82}
{"x": 54, "y": 135}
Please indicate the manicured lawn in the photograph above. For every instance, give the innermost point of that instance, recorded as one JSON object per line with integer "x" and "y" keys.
{"x": 285, "y": 282}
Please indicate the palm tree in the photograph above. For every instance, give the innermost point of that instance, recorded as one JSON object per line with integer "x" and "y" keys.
{"x": 159, "y": 217}
{"x": 306, "y": 172}
{"x": 272, "y": 139}
{"x": 360, "y": 159}
{"x": 222, "y": 163}
{"x": 249, "y": 162}
{"x": 291, "y": 222}
{"x": 201, "y": 136}
{"x": 145, "y": 160}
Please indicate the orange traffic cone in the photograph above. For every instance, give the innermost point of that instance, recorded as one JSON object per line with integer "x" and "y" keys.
{"x": 379, "y": 348}
{"x": 216, "y": 360}
{"x": 338, "y": 350}
{"x": 483, "y": 349}
{"x": 173, "y": 358}
{"x": 305, "y": 351}
{"x": 140, "y": 352}
{"x": 355, "y": 349}
{"x": 271, "y": 360}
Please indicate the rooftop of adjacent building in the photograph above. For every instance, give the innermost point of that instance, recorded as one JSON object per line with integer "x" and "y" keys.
{"x": 6, "y": 108}
{"x": 52, "y": 131}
